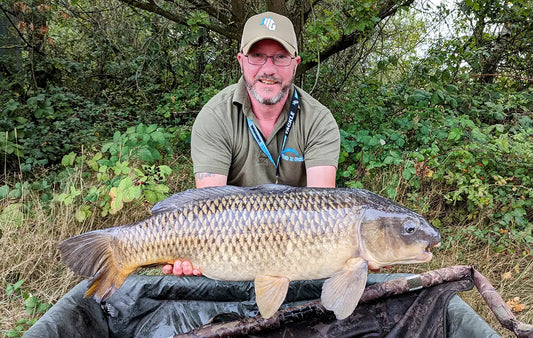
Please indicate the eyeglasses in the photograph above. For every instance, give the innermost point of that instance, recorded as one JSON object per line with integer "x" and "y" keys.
{"x": 259, "y": 59}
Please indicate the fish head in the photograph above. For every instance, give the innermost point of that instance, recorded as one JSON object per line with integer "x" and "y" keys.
{"x": 396, "y": 237}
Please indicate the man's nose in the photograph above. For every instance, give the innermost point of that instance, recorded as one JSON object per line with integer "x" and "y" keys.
{"x": 269, "y": 64}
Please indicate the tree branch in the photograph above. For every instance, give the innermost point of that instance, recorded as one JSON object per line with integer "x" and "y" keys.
{"x": 34, "y": 48}
{"x": 346, "y": 41}
{"x": 228, "y": 31}
{"x": 228, "y": 19}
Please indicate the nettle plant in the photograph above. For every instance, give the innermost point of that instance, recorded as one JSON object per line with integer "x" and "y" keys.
{"x": 125, "y": 170}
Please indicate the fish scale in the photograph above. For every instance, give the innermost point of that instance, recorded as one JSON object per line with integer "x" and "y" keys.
{"x": 190, "y": 236}
{"x": 271, "y": 234}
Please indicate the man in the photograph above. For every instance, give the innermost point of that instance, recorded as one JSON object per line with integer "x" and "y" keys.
{"x": 263, "y": 129}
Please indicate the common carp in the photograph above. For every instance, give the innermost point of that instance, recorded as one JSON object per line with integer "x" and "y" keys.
{"x": 270, "y": 234}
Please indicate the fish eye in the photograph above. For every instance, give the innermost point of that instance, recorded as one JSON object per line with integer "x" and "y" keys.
{"x": 410, "y": 228}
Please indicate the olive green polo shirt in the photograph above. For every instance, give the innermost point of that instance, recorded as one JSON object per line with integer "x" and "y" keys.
{"x": 222, "y": 143}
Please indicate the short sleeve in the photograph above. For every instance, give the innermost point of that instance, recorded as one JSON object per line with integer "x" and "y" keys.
{"x": 323, "y": 141}
{"x": 210, "y": 143}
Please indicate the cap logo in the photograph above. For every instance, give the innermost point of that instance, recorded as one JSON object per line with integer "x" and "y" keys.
{"x": 268, "y": 23}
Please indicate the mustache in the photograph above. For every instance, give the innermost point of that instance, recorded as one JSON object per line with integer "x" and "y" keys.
{"x": 267, "y": 77}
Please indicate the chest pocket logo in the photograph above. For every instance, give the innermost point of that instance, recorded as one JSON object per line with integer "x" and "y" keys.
{"x": 292, "y": 155}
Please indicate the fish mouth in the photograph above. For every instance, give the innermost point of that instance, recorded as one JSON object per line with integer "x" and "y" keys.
{"x": 427, "y": 255}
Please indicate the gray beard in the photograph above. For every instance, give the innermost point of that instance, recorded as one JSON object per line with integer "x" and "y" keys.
{"x": 284, "y": 91}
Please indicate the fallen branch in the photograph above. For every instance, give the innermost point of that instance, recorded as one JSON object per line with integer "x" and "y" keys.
{"x": 315, "y": 310}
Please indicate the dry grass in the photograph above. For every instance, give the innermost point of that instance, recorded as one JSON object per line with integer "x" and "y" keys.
{"x": 493, "y": 266}
{"x": 29, "y": 252}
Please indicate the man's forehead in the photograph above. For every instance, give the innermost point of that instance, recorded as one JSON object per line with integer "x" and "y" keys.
{"x": 269, "y": 44}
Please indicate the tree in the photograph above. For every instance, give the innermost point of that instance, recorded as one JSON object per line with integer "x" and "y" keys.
{"x": 501, "y": 41}
{"x": 328, "y": 26}
{"x": 9, "y": 48}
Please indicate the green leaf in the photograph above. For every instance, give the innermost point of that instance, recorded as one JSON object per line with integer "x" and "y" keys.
{"x": 116, "y": 137}
{"x": 83, "y": 213}
{"x": 455, "y": 134}
{"x": 15, "y": 193}
{"x": 12, "y": 105}
{"x": 33, "y": 101}
{"x": 18, "y": 284}
{"x": 4, "y": 191}
{"x": 131, "y": 193}
{"x": 46, "y": 112}
{"x": 391, "y": 192}
{"x": 93, "y": 162}
{"x": 150, "y": 196}
{"x": 409, "y": 172}
{"x": 125, "y": 183}
{"x": 12, "y": 215}
{"x": 42, "y": 308}
{"x": 165, "y": 170}
{"x": 158, "y": 137}
{"x": 161, "y": 188}
{"x": 145, "y": 155}
{"x": 156, "y": 155}
{"x": 68, "y": 160}
{"x": 30, "y": 304}
{"x": 151, "y": 128}
{"x": 121, "y": 168}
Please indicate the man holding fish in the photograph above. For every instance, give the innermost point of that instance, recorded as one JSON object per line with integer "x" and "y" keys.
{"x": 240, "y": 228}
{"x": 251, "y": 133}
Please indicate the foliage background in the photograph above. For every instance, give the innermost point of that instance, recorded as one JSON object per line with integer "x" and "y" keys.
{"x": 97, "y": 98}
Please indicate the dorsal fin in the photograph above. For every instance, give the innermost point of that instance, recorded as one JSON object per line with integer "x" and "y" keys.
{"x": 180, "y": 199}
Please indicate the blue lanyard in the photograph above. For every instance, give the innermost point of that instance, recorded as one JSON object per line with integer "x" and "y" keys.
{"x": 261, "y": 142}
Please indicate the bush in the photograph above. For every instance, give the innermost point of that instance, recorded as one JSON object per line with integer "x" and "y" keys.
{"x": 477, "y": 148}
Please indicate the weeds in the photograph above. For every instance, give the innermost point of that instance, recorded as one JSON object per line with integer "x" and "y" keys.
{"x": 31, "y": 304}
{"x": 32, "y": 223}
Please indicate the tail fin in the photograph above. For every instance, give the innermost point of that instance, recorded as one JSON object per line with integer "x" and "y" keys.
{"x": 90, "y": 255}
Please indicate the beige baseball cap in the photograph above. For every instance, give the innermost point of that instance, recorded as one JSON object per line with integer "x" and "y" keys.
{"x": 269, "y": 25}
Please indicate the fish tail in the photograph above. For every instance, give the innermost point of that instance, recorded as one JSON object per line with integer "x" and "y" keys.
{"x": 91, "y": 255}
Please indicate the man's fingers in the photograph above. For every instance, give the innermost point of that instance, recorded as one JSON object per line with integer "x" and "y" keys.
{"x": 187, "y": 268}
{"x": 177, "y": 270}
{"x": 181, "y": 268}
{"x": 167, "y": 269}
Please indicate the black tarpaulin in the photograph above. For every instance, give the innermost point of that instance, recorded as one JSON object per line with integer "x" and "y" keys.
{"x": 164, "y": 306}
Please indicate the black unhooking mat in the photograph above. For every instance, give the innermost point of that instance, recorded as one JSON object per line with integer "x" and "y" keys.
{"x": 165, "y": 306}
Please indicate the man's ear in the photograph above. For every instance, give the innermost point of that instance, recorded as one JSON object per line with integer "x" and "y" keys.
{"x": 298, "y": 59}
{"x": 240, "y": 58}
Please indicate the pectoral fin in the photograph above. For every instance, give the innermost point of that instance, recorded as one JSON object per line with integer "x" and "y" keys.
{"x": 270, "y": 292}
{"x": 342, "y": 291}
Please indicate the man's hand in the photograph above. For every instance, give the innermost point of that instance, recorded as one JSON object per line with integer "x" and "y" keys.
{"x": 181, "y": 268}
{"x": 379, "y": 269}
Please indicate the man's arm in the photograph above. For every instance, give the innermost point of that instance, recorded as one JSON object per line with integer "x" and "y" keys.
{"x": 210, "y": 180}
{"x": 322, "y": 176}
